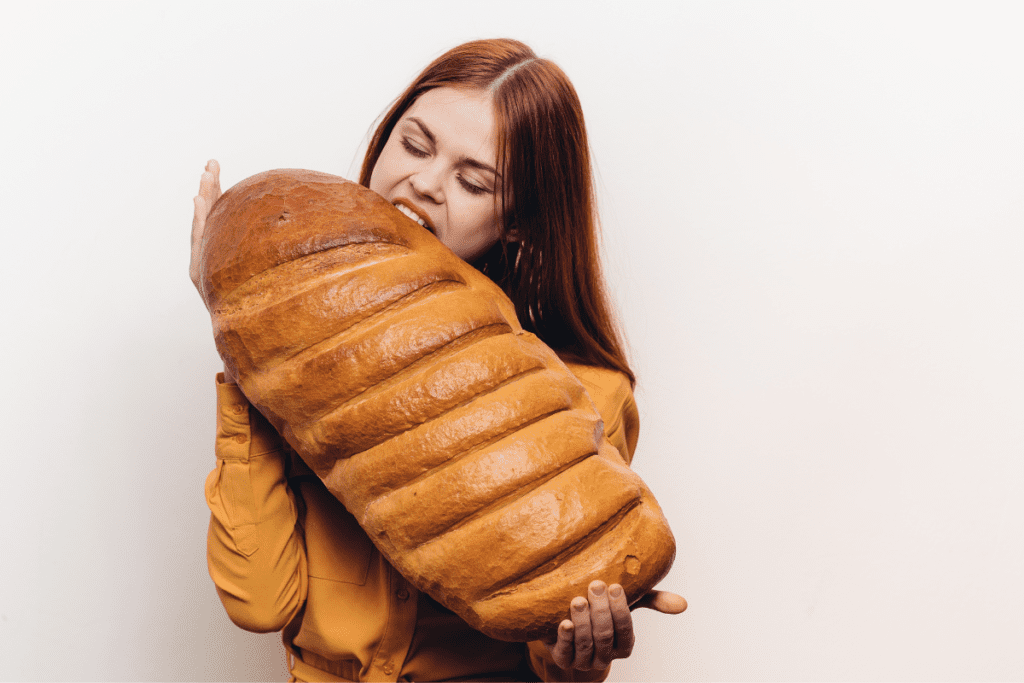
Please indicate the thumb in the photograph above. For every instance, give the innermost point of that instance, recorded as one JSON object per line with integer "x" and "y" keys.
{"x": 662, "y": 601}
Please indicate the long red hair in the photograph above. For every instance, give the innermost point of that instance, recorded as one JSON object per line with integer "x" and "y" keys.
{"x": 547, "y": 259}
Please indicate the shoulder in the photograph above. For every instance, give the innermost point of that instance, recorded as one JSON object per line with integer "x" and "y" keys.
{"x": 613, "y": 397}
{"x": 603, "y": 385}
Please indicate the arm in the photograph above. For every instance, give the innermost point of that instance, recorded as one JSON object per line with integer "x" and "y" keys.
{"x": 255, "y": 551}
{"x": 599, "y": 627}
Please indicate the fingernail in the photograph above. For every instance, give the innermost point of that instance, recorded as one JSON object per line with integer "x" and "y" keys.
{"x": 579, "y": 604}
{"x": 598, "y": 589}
{"x": 615, "y": 591}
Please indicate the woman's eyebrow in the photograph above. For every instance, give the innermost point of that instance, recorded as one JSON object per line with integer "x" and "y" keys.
{"x": 467, "y": 161}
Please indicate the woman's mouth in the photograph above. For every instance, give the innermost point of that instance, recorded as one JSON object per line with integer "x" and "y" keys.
{"x": 414, "y": 215}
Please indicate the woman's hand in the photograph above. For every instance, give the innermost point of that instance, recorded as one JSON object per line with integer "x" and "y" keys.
{"x": 209, "y": 192}
{"x": 601, "y": 626}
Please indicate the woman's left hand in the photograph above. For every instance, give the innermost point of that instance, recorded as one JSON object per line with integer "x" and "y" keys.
{"x": 601, "y": 626}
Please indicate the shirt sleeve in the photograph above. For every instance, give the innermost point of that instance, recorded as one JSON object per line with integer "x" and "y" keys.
{"x": 255, "y": 549}
{"x": 623, "y": 430}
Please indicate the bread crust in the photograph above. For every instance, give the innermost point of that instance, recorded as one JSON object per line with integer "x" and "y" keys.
{"x": 464, "y": 447}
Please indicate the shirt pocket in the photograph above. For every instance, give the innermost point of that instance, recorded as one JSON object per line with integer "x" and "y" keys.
{"x": 337, "y": 548}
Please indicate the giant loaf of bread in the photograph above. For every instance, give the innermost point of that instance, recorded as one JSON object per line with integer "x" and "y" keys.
{"x": 468, "y": 452}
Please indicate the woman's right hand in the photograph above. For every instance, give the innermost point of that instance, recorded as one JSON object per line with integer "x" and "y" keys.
{"x": 209, "y": 192}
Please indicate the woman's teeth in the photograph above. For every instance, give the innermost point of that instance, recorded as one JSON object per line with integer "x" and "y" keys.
{"x": 411, "y": 214}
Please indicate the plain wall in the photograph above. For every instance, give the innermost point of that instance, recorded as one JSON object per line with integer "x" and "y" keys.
{"x": 813, "y": 229}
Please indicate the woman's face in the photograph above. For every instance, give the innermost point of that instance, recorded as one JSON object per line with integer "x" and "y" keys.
{"x": 439, "y": 165}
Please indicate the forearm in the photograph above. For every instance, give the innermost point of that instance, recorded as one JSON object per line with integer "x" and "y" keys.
{"x": 255, "y": 550}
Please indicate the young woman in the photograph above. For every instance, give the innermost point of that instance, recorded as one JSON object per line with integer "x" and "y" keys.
{"x": 487, "y": 149}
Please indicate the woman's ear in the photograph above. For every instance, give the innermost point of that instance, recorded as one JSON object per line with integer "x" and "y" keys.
{"x": 512, "y": 235}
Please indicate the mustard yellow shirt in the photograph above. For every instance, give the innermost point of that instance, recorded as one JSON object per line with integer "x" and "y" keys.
{"x": 286, "y": 556}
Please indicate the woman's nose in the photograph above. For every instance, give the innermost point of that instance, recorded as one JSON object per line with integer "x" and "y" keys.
{"x": 428, "y": 182}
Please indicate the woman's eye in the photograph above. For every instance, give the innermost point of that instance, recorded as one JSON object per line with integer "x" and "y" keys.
{"x": 471, "y": 188}
{"x": 413, "y": 149}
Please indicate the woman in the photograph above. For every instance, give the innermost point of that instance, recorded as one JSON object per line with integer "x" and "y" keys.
{"x": 486, "y": 149}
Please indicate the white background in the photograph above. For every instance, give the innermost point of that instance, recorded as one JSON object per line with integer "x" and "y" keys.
{"x": 814, "y": 224}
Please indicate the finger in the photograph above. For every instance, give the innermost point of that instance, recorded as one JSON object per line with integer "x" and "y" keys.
{"x": 199, "y": 219}
{"x": 214, "y": 167}
{"x": 563, "y": 651}
{"x": 198, "y": 227}
{"x": 601, "y": 625}
{"x": 622, "y": 619}
{"x": 203, "y": 178}
{"x": 208, "y": 188}
{"x": 583, "y": 642}
{"x": 663, "y": 601}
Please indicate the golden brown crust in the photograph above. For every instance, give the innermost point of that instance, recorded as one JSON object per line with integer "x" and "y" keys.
{"x": 466, "y": 449}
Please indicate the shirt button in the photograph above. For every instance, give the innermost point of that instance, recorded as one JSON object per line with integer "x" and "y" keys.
{"x": 388, "y": 669}
{"x": 237, "y": 410}
{"x": 402, "y": 594}
{"x": 240, "y": 438}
